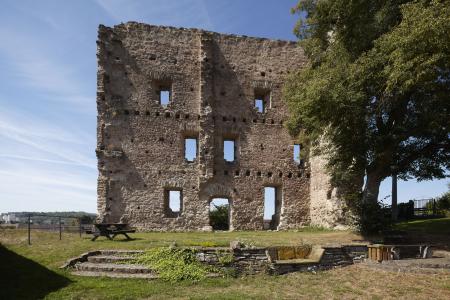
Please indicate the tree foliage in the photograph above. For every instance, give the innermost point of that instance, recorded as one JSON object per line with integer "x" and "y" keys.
{"x": 377, "y": 88}
{"x": 219, "y": 217}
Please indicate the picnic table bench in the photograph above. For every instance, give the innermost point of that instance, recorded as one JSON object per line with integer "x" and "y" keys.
{"x": 110, "y": 230}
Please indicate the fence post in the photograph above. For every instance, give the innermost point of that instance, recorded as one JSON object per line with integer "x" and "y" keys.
{"x": 60, "y": 229}
{"x": 29, "y": 229}
{"x": 79, "y": 222}
{"x": 434, "y": 207}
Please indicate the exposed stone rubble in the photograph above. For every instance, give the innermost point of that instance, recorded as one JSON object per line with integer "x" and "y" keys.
{"x": 213, "y": 80}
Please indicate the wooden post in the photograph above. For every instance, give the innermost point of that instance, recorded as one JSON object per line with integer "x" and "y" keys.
{"x": 394, "y": 210}
{"x": 79, "y": 223}
{"x": 29, "y": 229}
{"x": 60, "y": 229}
{"x": 434, "y": 207}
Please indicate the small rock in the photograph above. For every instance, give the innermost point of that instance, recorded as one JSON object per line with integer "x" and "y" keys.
{"x": 236, "y": 245}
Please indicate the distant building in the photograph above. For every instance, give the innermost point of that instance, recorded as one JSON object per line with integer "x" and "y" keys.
{"x": 10, "y": 218}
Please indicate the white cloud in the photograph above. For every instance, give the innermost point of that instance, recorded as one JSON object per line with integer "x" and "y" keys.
{"x": 31, "y": 65}
{"x": 46, "y": 190}
{"x": 31, "y": 137}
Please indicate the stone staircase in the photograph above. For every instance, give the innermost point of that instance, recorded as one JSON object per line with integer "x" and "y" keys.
{"x": 112, "y": 263}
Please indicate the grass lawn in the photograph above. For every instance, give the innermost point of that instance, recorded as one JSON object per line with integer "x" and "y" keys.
{"x": 30, "y": 272}
{"x": 435, "y": 226}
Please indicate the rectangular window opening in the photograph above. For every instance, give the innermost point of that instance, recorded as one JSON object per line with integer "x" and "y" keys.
{"x": 262, "y": 100}
{"x": 190, "y": 149}
{"x": 173, "y": 203}
{"x": 297, "y": 153}
{"x": 272, "y": 208}
{"x": 259, "y": 105}
{"x": 164, "y": 97}
{"x": 229, "y": 150}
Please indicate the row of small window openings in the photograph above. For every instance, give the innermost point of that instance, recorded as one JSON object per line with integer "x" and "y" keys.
{"x": 237, "y": 173}
{"x": 247, "y": 173}
{"x": 187, "y": 116}
{"x": 167, "y": 114}
{"x": 244, "y": 120}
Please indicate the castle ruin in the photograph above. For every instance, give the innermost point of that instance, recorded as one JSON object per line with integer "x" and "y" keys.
{"x": 160, "y": 89}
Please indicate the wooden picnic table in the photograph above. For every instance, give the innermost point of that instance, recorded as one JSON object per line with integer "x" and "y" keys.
{"x": 111, "y": 230}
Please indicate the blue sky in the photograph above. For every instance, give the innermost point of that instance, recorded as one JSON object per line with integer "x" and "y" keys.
{"x": 48, "y": 82}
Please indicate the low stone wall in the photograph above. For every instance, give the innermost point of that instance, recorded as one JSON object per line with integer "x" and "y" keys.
{"x": 244, "y": 261}
{"x": 332, "y": 257}
{"x": 249, "y": 261}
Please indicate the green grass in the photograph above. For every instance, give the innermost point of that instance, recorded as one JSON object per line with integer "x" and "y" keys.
{"x": 430, "y": 226}
{"x": 32, "y": 272}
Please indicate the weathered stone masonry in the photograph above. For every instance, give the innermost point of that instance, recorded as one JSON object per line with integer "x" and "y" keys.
{"x": 213, "y": 80}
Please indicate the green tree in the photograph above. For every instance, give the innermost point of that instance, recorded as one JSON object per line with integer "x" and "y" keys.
{"x": 219, "y": 217}
{"x": 443, "y": 201}
{"x": 377, "y": 89}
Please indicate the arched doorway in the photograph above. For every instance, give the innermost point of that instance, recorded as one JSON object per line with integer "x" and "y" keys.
{"x": 220, "y": 213}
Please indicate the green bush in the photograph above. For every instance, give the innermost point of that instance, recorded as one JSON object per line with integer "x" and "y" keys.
{"x": 174, "y": 264}
{"x": 374, "y": 217}
{"x": 225, "y": 258}
{"x": 443, "y": 202}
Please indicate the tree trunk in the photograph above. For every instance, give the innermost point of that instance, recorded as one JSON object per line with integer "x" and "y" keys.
{"x": 394, "y": 209}
{"x": 371, "y": 189}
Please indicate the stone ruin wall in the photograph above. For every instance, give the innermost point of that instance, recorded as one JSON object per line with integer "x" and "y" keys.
{"x": 213, "y": 79}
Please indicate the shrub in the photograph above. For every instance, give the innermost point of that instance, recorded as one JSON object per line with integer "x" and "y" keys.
{"x": 174, "y": 264}
{"x": 374, "y": 217}
{"x": 225, "y": 258}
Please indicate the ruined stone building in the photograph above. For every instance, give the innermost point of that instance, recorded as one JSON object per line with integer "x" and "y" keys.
{"x": 160, "y": 88}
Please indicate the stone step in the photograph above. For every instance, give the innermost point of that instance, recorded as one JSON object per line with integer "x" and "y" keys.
{"x": 116, "y": 275}
{"x": 120, "y": 252}
{"x": 298, "y": 261}
{"x": 108, "y": 258}
{"x": 112, "y": 268}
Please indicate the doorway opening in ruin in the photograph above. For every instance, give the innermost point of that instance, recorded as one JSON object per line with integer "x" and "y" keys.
{"x": 272, "y": 207}
{"x": 173, "y": 202}
{"x": 219, "y": 214}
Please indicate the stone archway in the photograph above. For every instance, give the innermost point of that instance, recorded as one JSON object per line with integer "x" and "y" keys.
{"x": 213, "y": 191}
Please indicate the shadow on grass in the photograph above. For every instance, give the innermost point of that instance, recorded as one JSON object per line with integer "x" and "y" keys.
{"x": 117, "y": 240}
{"x": 22, "y": 278}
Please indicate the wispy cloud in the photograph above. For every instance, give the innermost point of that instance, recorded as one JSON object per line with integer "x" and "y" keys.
{"x": 45, "y": 188}
{"x": 22, "y": 129}
{"x": 32, "y": 66}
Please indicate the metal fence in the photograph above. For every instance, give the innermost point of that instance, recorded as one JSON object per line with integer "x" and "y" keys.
{"x": 425, "y": 207}
{"x": 54, "y": 223}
